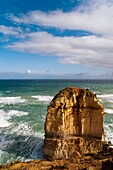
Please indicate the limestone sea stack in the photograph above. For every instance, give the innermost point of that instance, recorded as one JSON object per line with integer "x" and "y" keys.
{"x": 74, "y": 124}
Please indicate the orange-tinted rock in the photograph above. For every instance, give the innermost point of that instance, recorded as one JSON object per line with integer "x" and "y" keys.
{"x": 74, "y": 124}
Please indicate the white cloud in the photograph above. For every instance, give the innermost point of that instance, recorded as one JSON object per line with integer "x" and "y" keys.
{"x": 96, "y": 17}
{"x": 87, "y": 50}
{"x": 30, "y": 72}
{"x": 9, "y": 30}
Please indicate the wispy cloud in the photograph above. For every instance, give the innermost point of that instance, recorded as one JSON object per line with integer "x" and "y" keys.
{"x": 92, "y": 50}
{"x": 8, "y": 30}
{"x": 88, "y": 50}
{"x": 95, "y": 16}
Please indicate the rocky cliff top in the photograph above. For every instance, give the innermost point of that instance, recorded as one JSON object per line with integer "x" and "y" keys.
{"x": 98, "y": 161}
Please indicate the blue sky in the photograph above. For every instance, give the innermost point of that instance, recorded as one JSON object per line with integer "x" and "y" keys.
{"x": 56, "y": 39}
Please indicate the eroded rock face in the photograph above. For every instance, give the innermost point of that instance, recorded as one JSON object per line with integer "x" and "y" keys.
{"x": 74, "y": 124}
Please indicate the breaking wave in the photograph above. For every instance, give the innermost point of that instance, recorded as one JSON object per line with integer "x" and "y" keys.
{"x": 11, "y": 100}
{"x": 109, "y": 132}
{"x": 5, "y": 116}
{"x": 106, "y": 97}
{"x": 43, "y": 98}
{"x": 21, "y": 142}
{"x": 109, "y": 111}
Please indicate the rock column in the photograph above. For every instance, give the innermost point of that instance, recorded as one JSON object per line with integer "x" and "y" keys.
{"x": 74, "y": 124}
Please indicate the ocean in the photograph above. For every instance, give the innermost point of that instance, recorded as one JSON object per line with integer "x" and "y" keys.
{"x": 23, "y": 108}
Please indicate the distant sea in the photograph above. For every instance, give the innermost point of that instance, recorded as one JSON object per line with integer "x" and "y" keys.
{"x": 23, "y": 108}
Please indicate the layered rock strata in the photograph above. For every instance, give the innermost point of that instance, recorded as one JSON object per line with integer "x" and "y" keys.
{"x": 74, "y": 124}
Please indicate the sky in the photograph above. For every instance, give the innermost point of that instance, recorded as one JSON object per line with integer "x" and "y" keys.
{"x": 67, "y": 39}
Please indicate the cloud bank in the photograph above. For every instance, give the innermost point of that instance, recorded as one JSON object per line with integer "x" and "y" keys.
{"x": 79, "y": 75}
{"x": 88, "y": 50}
{"x": 93, "y": 50}
{"x": 95, "y": 16}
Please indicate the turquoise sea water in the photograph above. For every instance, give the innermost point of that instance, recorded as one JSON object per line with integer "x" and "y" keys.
{"x": 23, "y": 108}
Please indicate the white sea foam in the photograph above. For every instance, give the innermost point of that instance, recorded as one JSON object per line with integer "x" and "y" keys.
{"x": 22, "y": 129}
{"x": 25, "y": 130}
{"x": 108, "y": 132}
{"x": 8, "y": 91}
{"x": 43, "y": 98}
{"x": 106, "y": 97}
{"x": 26, "y": 141}
{"x": 5, "y": 116}
{"x": 11, "y": 100}
{"x": 109, "y": 111}
{"x": 4, "y": 122}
